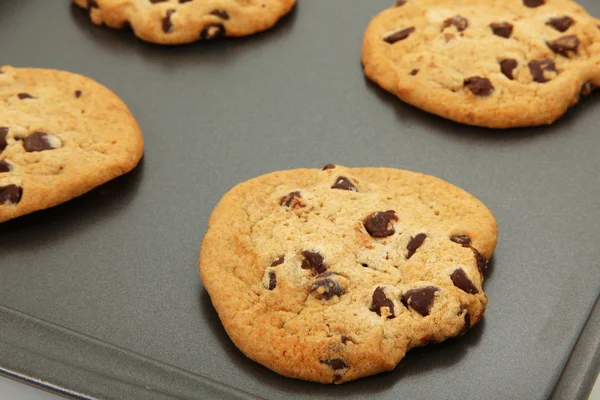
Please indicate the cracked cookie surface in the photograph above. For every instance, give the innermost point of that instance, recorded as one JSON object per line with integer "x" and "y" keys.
{"x": 331, "y": 275}
{"x": 61, "y": 135}
{"x": 184, "y": 21}
{"x": 491, "y": 63}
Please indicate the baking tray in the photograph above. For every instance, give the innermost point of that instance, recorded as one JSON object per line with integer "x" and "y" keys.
{"x": 101, "y": 297}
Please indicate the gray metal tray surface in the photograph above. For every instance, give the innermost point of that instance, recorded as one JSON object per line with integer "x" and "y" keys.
{"x": 101, "y": 297}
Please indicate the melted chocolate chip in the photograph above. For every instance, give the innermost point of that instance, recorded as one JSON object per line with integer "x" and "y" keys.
{"x": 78, "y": 93}
{"x": 335, "y": 363}
{"x": 481, "y": 261}
{"x": 23, "y": 96}
{"x": 507, "y": 66}
{"x": 414, "y": 72}
{"x": 292, "y": 200}
{"x": 3, "y": 133}
{"x": 421, "y": 300}
{"x": 272, "y": 280}
{"x": 561, "y": 24}
{"x": 564, "y": 45}
{"x": 328, "y": 166}
{"x": 502, "y": 29}
{"x": 313, "y": 261}
{"x": 479, "y": 86}
{"x": 167, "y": 25}
{"x": 37, "y": 141}
{"x": 462, "y": 281}
{"x": 380, "y": 300}
{"x": 329, "y": 286}
{"x": 379, "y": 224}
{"x": 277, "y": 262}
{"x": 220, "y": 13}
{"x": 459, "y": 22}
{"x": 212, "y": 31}
{"x": 10, "y": 194}
{"x": 399, "y": 35}
{"x": 4, "y": 166}
{"x": 400, "y": 2}
{"x": 463, "y": 240}
{"x": 534, "y": 3}
{"x": 344, "y": 183}
{"x": 538, "y": 67}
{"x": 414, "y": 244}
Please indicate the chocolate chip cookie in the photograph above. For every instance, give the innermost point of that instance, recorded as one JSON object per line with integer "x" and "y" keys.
{"x": 331, "y": 275}
{"x": 491, "y": 63}
{"x": 61, "y": 135}
{"x": 173, "y": 22}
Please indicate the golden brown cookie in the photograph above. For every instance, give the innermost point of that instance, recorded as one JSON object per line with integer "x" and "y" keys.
{"x": 331, "y": 275}
{"x": 185, "y": 21}
{"x": 61, "y": 135}
{"x": 492, "y": 63}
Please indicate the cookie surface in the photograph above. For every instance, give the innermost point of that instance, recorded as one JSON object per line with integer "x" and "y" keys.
{"x": 332, "y": 275}
{"x": 491, "y": 63}
{"x": 185, "y": 21}
{"x": 61, "y": 135}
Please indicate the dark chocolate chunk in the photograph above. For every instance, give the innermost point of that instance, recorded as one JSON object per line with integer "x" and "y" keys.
{"x": 344, "y": 183}
{"x": 380, "y": 300}
{"x": 414, "y": 244}
{"x": 10, "y": 194}
{"x": 561, "y": 24}
{"x": 534, "y": 3}
{"x": 272, "y": 280}
{"x": 507, "y": 66}
{"x": 78, "y": 93}
{"x": 212, "y": 31}
{"x": 4, "y": 166}
{"x": 345, "y": 339}
{"x": 292, "y": 200}
{"x": 467, "y": 321}
{"x": 157, "y": 1}
{"x": 462, "y": 281}
{"x": 399, "y": 35}
{"x": 37, "y": 141}
{"x": 365, "y": 265}
{"x": 335, "y": 363}
{"x": 167, "y": 25}
{"x": 421, "y": 300}
{"x": 564, "y": 45}
{"x": 277, "y": 262}
{"x": 502, "y": 29}
{"x": 23, "y": 96}
{"x": 220, "y": 13}
{"x": 379, "y": 224}
{"x": 184, "y": 1}
{"x": 330, "y": 287}
{"x": 328, "y": 166}
{"x": 460, "y": 22}
{"x": 92, "y": 4}
{"x": 463, "y": 240}
{"x": 414, "y": 72}
{"x": 481, "y": 261}
{"x": 3, "y": 133}
{"x": 479, "y": 86}
{"x": 400, "y": 2}
{"x": 313, "y": 261}
{"x": 538, "y": 67}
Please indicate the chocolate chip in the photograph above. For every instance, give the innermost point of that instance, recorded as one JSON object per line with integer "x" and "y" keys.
{"x": 23, "y": 96}
{"x": 212, "y": 31}
{"x": 344, "y": 183}
{"x": 3, "y": 133}
{"x": 463, "y": 240}
{"x": 534, "y": 3}
{"x": 467, "y": 321}
{"x": 502, "y": 29}
{"x": 462, "y": 281}
{"x": 277, "y": 262}
{"x": 538, "y": 67}
{"x": 400, "y": 2}
{"x": 313, "y": 261}
{"x": 479, "y": 86}
{"x": 4, "y": 166}
{"x": 561, "y": 24}
{"x": 421, "y": 300}
{"x": 481, "y": 261}
{"x": 184, "y": 1}
{"x": 564, "y": 45}
{"x": 39, "y": 141}
{"x": 78, "y": 93}
{"x": 272, "y": 280}
{"x": 157, "y": 1}
{"x": 328, "y": 166}
{"x": 399, "y": 35}
{"x": 380, "y": 300}
{"x": 586, "y": 89}
{"x": 292, "y": 200}
{"x": 325, "y": 287}
{"x": 92, "y": 4}
{"x": 167, "y": 25}
{"x": 365, "y": 265}
{"x": 414, "y": 72}
{"x": 379, "y": 224}
{"x": 220, "y": 13}
{"x": 414, "y": 244}
{"x": 507, "y": 66}
{"x": 335, "y": 363}
{"x": 10, "y": 194}
{"x": 460, "y": 22}
{"x": 345, "y": 339}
